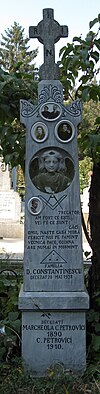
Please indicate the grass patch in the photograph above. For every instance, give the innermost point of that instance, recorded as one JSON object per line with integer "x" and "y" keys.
{"x": 14, "y": 380}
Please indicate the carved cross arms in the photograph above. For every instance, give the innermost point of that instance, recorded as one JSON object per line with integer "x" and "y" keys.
{"x": 48, "y": 29}
{"x": 48, "y": 32}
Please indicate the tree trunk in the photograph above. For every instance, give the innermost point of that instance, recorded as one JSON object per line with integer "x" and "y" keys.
{"x": 94, "y": 218}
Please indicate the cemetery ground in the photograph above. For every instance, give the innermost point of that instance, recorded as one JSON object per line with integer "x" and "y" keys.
{"x": 13, "y": 377}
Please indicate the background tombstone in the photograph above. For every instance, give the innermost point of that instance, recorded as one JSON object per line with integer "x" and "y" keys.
{"x": 10, "y": 206}
{"x": 53, "y": 300}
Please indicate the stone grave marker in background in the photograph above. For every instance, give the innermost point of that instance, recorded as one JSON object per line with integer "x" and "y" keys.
{"x": 53, "y": 299}
{"x": 10, "y": 206}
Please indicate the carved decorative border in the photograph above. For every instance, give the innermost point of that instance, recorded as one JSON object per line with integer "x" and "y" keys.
{"x": 50, "y": 92}
{"x": 75, "y": 109}
{"x": 27, "y": 109}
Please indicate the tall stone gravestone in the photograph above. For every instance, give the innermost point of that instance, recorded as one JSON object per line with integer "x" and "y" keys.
{"x": 53, "y": 299}
{"x": 10, "y": 206}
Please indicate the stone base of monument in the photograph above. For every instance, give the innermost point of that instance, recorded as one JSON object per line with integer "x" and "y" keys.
{"x": 53, "y": 330}
{"x": 11, "y": 229}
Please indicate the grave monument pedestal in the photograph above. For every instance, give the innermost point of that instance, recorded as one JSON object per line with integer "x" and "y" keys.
{"x": 54, "y": 330}
{"x": 53, "y": 299}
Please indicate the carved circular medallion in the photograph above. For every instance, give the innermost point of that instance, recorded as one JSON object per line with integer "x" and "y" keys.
{"x": 64, "y": 131}
{"x": 35, "y": 205}
{"x": 51, "y": 170}
{"x": 50, "y": 111}
{"x": 39, "y": 132}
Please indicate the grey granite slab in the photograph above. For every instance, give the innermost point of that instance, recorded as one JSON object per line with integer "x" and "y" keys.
{"x": 57, "y": 300}
{"x": 54, "y": 338}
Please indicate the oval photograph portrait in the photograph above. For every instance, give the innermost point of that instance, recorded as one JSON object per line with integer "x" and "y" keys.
{"x": 64, "y": 131}
{"x": 35, "y": 205}
{"x": 39, "y": 132}
{"x": 50, "y": 111}
{"x": 51, "y": 170}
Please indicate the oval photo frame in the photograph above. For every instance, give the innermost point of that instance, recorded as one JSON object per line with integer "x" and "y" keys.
{"x": 51, "y": 170}
{"x": 50, "y": 111}
{"x": 64, "y": 131}
{"x": 35, "y": 206}
{"x": 39, "y": 132}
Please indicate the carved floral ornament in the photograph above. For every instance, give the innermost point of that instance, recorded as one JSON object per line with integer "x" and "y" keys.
{"x": 50, "y": 95}
{"x": 51, "y": 92}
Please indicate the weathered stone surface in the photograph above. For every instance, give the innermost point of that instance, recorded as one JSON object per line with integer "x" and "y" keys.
{"x": 36, "y": 301}
{"x": 53, "y": 324}
{"x": 52, "y": 300}
{"x": 53, "y": 244}
{"x": 48, "y": 32}
{"x": 10, "y": 207}
{"x": 4, "y": 180}
{"x": 54, "y": 337}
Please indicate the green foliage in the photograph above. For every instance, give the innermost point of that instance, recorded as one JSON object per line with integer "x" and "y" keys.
{"x": 9, "y": 316}
{"x": 88, "y": 141}
{"x": 13, "y": 87}
{"x": 85, "y": 167}
{"x": 80, "y": 60}
{"x": 93, "y": 335}
{"x": 16, "y": 82}
{"x": 13, "y": 379}
{"x": 14, "y": 51}
{"x": 78, "y": 56}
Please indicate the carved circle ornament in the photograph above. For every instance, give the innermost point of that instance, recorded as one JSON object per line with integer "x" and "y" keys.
{"x": 64, "y": 131}
{"x": 50, "y": 111}
{"x": 39, "y": 132}
{"x": 51, "y": 170}
{"x": 35, "y": 205}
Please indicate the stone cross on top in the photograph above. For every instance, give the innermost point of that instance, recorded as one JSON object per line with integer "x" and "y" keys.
{"x": 48, "y": 31}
